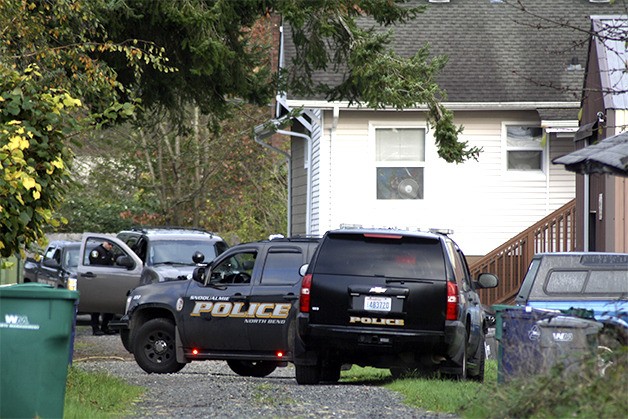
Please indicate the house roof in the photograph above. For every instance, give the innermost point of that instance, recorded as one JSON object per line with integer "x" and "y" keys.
{"x": 499, "y": 54}
{"x": 612, "y": 58}
{"x": 607, "y": 156}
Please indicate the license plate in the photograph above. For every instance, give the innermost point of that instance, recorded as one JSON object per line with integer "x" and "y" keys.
{"x": 377, "y": 303}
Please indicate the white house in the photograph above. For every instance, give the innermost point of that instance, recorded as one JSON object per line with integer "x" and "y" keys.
{"x": 513, "y": 80}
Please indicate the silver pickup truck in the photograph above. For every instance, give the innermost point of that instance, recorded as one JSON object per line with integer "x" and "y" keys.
{"x": 581, "y": 280}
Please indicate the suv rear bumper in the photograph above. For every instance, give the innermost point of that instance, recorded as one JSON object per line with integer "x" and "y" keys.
{"x": 349, "y": 340}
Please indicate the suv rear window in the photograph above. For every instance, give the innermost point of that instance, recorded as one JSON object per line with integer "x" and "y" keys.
{"x": 402, "y": 257}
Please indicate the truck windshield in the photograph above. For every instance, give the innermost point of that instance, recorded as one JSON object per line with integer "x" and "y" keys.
{"x": 403, "y": 257}
{"x": 179, "y": 251}
{"x": 71, "y": 257}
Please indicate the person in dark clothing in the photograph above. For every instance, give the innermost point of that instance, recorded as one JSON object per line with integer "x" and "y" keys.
{"x": 102, "y": 255}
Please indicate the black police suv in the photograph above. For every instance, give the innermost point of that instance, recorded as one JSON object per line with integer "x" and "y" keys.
{"x": 389, "y": 299}
{"x": 240, "y": 307}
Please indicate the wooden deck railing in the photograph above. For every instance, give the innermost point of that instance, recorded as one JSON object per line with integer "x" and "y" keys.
{"x": 554, "y": 233}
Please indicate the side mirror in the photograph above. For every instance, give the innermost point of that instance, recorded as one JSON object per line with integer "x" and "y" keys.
{"x": 486, "y": 280}
{"x": 125, "y": 261}
{"x": 51, "y": 263}
{"x": 303, "y": 269}
{"x": 199, "y": 274}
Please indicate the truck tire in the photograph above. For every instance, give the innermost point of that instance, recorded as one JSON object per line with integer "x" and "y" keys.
{"x": 475, "y": 369}
{"x": 308, "y": 374}
{"x": 154, "y": 347}
{"x": 125, "y": 335}
{"x": 330, "y": 373}
{"x": 252, "y": 368}
{"x": 455, "y": 371}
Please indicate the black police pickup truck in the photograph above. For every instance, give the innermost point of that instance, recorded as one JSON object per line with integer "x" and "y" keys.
{"x": 240, "y": 308}
{"x": 55, "y": 264}
{"x": 390, "y": 299}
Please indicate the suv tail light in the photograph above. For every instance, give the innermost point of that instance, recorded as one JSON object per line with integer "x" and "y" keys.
{"x": 452, "y": 301}
{"x": 304, "y": 301}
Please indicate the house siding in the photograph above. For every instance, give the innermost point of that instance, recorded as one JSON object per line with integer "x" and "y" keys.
{"x": 562, "y": 185}
{"x": 299, "y": 189}
{"x": 480, "y": 200}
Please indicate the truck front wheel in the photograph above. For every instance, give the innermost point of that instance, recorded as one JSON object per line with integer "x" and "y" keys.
{"x": 125, "y": 335}
{"x": 154, "y": 347}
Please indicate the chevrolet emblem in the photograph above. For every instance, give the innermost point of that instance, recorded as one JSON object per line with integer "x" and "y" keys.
{"x": 378, "y": 290}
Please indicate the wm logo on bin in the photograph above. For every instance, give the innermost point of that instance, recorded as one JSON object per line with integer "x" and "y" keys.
{"x": 562, "y": 336}
{"x": 15, "y": 319}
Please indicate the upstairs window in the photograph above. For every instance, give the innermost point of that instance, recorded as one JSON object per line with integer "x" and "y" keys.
{"x": 399, "y": 161}
{"x": 524, "y": 151}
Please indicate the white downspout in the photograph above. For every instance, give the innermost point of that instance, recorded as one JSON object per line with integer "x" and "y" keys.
{"x": 332, "y": 141}
{"x": 585, "y": 214}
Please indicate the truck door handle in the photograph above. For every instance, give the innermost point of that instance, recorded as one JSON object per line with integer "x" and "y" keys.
{"x": 239, "y": 297}
{"x": 88, "y": 275}
{"x": 290, "y": 297}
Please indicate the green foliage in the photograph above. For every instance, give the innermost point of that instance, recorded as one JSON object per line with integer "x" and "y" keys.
{"x": 158, "y": 173}
{"x": 97, "y": 395}
{"x": 211, "y": 43}
{"x": 86, "y": 210}
{"x": 53, "y": 87}
{"x": 449, "y": 147}
{"x": 35, "y": 161}
{"x": 560, "y": 394}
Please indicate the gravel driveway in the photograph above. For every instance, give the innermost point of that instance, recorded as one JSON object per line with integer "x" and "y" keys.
{"x": 211, "y": 389}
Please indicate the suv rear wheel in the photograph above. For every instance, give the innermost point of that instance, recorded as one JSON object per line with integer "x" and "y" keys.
{"x": 331, "y": 372}
{"x": 308, "y": 374}
{"x": 154, "y": 347}
{"x": 476, "y": 364}
{"x": 252, "y": 368}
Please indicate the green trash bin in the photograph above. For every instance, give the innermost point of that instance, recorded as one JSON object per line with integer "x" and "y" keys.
{"x": 36, "y": 323}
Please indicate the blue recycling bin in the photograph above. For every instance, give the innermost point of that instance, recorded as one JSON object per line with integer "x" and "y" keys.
{"x": 518, "y": 335}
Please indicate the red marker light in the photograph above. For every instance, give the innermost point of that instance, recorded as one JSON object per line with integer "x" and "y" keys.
{"x": 194, "y": 351}
{"x": 279, "y": 354}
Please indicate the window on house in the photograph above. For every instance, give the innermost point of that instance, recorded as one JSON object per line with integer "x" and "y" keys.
{"x": 524, "y": 150}
{"x": 400, "y": 161}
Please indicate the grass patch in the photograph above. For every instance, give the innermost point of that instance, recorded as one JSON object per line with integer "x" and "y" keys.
{"x": 96, "y": 395}
{"x": 585, "y": 394}
{"x": 364, "y": 374}
{"x": 436, "y": 394}
{"x": 270, "y": 395}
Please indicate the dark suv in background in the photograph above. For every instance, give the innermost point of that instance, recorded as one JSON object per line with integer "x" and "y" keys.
{"x": 167, "y": 251}
{"x": 394, "y": 299}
